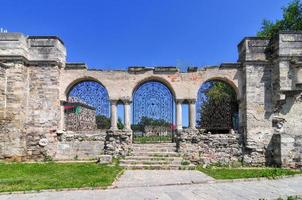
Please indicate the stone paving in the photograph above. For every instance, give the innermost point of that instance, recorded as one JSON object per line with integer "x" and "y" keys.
{"x": 263, "y": 189}
{"x": 143, "y": 178}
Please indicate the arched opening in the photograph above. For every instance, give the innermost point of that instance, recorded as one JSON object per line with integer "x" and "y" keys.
{"x": 87, "y": 107}
{"x": 153, "y": 108}
{"x": 185, "y": 114}
{"x": 217, "y": 107}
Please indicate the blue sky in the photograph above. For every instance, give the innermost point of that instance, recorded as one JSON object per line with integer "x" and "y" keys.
{"x": 115, "y": 34}
{"x": 111, "y": 34}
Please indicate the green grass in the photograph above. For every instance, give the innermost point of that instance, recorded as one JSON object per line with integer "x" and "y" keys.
{"x": 152, "y": 139}
{"x": 237, "y": 173}
{"x": 38, "y": 176}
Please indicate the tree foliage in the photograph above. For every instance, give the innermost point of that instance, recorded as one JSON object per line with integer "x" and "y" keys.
{"x": 147, "y": 121}
{"x": 102, "y": 122}
{"x": 219, "y": 105}
{"x": 120, "y": 124}
{"x": 291, "y": 21}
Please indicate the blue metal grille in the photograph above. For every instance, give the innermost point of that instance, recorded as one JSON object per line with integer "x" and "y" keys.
{"x": 91, "y": 93}
{"x": 153, "y": 100}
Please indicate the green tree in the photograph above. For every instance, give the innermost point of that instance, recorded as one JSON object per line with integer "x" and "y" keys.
{"x": 147, "y": 121}
{"x": 219, "y": 106}
{"x": 102, "y": 122}
{"x": 120, "y": 124}
{"x": 291, "y": 21}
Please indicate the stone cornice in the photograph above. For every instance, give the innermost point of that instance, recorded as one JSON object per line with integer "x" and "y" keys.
{"x": 27, "y": 62}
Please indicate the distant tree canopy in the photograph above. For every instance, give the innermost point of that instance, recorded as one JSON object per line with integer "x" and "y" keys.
{"x": 146, "y": 121}
{"x": 102, "y": 122}
{"x": 291, "y": 21}
{"x": 219, "y": 91}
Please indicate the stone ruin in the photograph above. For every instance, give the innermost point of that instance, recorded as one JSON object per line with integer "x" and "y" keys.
{"x": 35, "y": 78}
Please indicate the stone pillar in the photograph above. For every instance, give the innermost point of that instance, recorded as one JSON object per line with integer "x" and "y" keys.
{"x": 179, "y": 114}
{"x": 113, "y": 115}
{"x": 127, "y": 114}
{"x": 192, "y": 116}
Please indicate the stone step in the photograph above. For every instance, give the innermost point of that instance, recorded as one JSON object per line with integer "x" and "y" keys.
{"x": 155, "y": 145}
{"x": 151, "y": 158}
{"x": 159, "y": 167}
{"x": 151, "y": 162}
{"x": 155, "y": 154}
{"x": 136, "y": 149}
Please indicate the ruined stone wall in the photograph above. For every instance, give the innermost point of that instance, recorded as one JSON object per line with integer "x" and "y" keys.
{"x": 79, "y": 145}
{"x": 118, "y": 142}
{"x": 34, "y": 78}
{"x": 12, "y": 122}
{"x": 43, "y": 109}
{"x": 81, "y": 120}
{"x": 256, "y": 105}
{"x": 205, "y": 148}
{"x": 31, "y": 101}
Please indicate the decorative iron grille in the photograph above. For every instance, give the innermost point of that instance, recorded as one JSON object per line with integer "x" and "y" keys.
{"x": 153, "y": 112}
{"x": 153, "y": 100}
{"x": 92, "y": 94}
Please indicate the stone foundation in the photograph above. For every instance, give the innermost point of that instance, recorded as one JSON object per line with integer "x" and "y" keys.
{"x": 118, "y": 142}
{"x": 80, "y": 145}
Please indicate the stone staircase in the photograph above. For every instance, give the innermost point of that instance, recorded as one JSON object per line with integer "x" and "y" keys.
{"x": 155, "y": 156}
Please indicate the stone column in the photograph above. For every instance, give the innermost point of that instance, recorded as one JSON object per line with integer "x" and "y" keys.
{"x": 179, "y": 114}
{"x": 113, "y": 115}
{"x": 127, "y": 114}
{"x": 192, "y": 116}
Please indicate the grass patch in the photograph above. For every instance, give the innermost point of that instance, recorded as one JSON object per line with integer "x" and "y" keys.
{"x": 237, "y": 173}
{"x": 152, "y": 139}
{"x": 38, "y": 176}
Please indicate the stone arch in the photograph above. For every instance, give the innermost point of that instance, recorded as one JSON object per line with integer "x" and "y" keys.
{"x": 98, "y": 99}
{"x": 153, "y": 109}
{"x": 223, "y": 79}
{"x": 157, "y": 79}
{"x": 82, "y": 79}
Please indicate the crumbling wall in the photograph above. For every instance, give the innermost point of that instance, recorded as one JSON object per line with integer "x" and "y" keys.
{"x": 203, "y": 147}
{"x": 79, "y": 145}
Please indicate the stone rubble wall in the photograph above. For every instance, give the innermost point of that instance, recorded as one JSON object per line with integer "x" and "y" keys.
{"x": 79, "y": 145}
{"x": 202, "y": 147}
{"x": 84, "y": 120}
{"x": 118, "y": 142}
